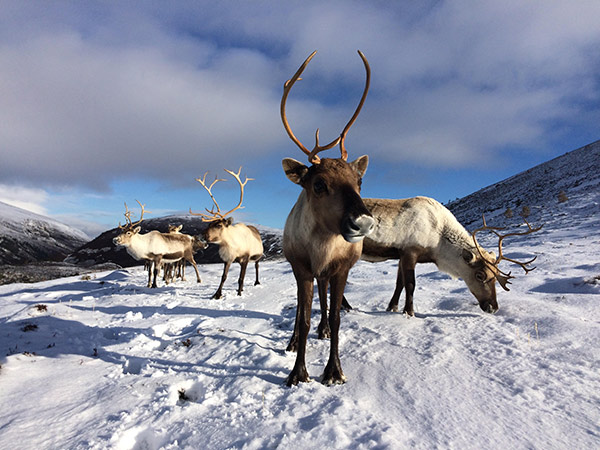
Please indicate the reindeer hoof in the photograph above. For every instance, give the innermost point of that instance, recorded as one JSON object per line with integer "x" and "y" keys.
{"x": 257, "y": 283}
{"x": 217, "y": 296}
{"x": 337, "y": 378}
{"x": 392, "y": 309}
{"x": 324, "y": 333}
{"x": 297, "y": 376}
{"x": 409, "y": 313}
{"x": 292, "y": 346}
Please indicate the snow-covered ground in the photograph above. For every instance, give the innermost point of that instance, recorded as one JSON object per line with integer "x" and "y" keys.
{"x": 108, "y": 363}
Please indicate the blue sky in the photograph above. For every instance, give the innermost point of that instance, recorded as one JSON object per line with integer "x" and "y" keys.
{"x": 107, "y": 102}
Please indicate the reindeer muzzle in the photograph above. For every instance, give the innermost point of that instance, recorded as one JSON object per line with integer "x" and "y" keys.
{"x": 354, "y": 229}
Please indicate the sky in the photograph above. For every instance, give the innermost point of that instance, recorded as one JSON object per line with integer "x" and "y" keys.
{"x": 103, "y": 103}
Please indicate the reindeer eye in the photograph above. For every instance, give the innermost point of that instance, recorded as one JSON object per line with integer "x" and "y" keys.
{"x": 319, "y": 187}
{"x": 480, "y": 276}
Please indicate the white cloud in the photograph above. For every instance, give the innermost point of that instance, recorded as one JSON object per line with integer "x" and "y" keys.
{"x": 169, "y": 93}
{"x": 23, "y": 197}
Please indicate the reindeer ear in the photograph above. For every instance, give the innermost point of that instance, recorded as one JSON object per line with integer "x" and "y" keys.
{"x": 294, "y": 170}
{"x": 229, "y": 221}
{"x": 468, "y": 256}
{"x": 360, "y": 165}
{"x": 136, "y": 230}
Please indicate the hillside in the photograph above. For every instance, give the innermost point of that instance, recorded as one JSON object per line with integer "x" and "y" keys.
{"x": 26, "y": 237}
{"x": 576, "y": 173}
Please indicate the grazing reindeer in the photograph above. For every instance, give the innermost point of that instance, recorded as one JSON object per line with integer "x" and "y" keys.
{"x": 421, "y": 230}
{"x": 237, "y": 243}
{"x": 323, "y": 233}
{"x": 155, "y": 247}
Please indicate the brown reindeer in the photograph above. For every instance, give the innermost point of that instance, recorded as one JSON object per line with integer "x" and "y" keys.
{"x": 421, "y": 230}
{"x": 237, "y": 243}
{"x": 323, "y": 233}
{"x": 155, "y": 247}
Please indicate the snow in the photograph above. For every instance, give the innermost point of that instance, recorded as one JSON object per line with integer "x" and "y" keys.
{"x": 112, "y": 364}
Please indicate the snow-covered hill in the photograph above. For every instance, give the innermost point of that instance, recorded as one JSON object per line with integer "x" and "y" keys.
{"x": 576, "y": 174}
{"x": 28, "y": 237}
{"x": 105, "y": 362}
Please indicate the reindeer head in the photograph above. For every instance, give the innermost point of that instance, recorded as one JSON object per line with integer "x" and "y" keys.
{"x": 129, "y": 229}
{"x": 485, "y": 267}
{"x": 218, "y": 221}
{"x": 332, "y": 186}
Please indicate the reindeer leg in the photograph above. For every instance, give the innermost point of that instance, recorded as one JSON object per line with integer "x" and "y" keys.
{"x": 191, "y": 260}
{"x": 219, "y": 292}
{"x": 408, "y": 274}
{"x": 293, "y": 344}
{"x": 256, "y": 268}
{"x": 305, "y": 294}
{"x": 157, "y": 267}
{"x": 243, "y": 265}
{"x": 345, "y": 305}
{"x": 393, "y": 305}
{"x": 149, "y": 267}
{"x": 323, "y": 328}
{"x": 333, "y": 370}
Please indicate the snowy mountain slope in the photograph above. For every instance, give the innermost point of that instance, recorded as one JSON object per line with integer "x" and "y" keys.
{"x": 28, "y": 237}
{"x": 576, "y": 173}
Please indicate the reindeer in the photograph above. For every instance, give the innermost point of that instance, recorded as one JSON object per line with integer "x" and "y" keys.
{"x": 237, "y": 243}
{"x": 155, "y": 247}
{"x": 323, "y": 233}
{"x": 175, "y": 270}
{"x": 421, "y": 230}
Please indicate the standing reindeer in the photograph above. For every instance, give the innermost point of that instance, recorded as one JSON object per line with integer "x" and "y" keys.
{"x": 421, "y": 230}
{"x": 323, "y": 233}
{"x": 155, "y": 247}
{"x": 175, "y": 270}
{"x": 237, "y": 243}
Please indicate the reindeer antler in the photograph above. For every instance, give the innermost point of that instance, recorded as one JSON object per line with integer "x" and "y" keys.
{"x": 216, "y": 215}
{"x": 127, "y": 215}
{"x": 503, "y": 277}
{"x": 312, "y": 154}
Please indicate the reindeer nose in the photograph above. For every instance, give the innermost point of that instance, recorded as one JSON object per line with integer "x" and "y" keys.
{"x": 356, "y": 228}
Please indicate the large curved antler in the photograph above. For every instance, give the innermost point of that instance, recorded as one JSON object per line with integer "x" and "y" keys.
{"x": 127, "y": 215}
{"x": 217, "y": 215}
{"x": 503, "y": 277}
{"x": 312, "y": 154}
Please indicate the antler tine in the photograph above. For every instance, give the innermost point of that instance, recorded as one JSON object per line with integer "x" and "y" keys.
{"x": 127, "y": 215}
{"x": 312, "y": 154}
{"x": 359, "y": 107}
{"x": 141, "y": 214}
{"x": 212, "y": 214}
{"x": 503, "y": 277}
{"x": 237, "y": 177}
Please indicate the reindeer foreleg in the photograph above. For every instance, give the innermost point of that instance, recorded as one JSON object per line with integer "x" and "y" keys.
{"x": 243, "y": 266}
{"x": 393, "y": 305}
{"x": 256, "y": 269}
{"x": 219, "y": 292}
{"x": 305, "y": 293}
{"x": 333, "y": 371}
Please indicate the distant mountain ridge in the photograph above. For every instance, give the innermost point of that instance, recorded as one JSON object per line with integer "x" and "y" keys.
{"x": 27, "y": 237}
